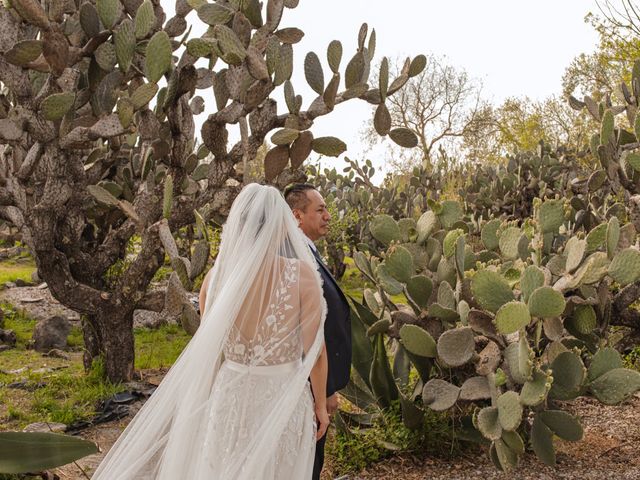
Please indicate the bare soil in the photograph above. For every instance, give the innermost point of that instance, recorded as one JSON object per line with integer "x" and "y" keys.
{"x": 609, "y": 450}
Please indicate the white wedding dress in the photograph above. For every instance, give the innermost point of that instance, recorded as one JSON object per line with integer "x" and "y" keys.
{"x": 237, "y": 403}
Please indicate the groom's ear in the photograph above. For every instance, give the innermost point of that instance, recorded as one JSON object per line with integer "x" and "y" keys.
{"x": 298, "y": 214}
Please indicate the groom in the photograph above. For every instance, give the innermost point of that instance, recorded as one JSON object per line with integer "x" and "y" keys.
{"x": 313, "y": 218}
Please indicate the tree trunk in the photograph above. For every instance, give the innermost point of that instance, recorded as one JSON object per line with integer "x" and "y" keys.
{"x": 92, "y": 341}
{"x": 109, "y": 334}
{"x": 336, "y": 261}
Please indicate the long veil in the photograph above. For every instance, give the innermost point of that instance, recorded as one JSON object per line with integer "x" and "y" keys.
{"x": 264, "y": 308}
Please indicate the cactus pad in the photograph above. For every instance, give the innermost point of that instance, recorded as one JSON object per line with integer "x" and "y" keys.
{"x": 535, "y": 391}
{"x": 625, "y": 266}
{"x": 489, "y": 424}
{"x": 475, "y": 388}
{"x": 419, "y": 288}
{"x": 399, "y": 264}
{"x": 604, "y": 360}
{"x": 568, "y": 375}
{"x": 418, "y": 341}
{"x": 511, "y": 317}
{"x": 439, "y": 395}
{"x": 615, "y": 385}
{"x": 491, "y": 290}
{"x": 456, "y": 347}
{"x": 509, "y": 410}
{"x": 545, "y": 302}
{"x": 384, "y": 229}
{"x": 564, "y": 425}
{"x": 551, "y": 216}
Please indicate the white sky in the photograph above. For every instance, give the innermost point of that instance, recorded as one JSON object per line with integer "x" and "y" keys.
{"x": 515, "y": 47}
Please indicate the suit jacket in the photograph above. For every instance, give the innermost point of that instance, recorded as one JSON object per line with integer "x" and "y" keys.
{"x": 337, "y": 330}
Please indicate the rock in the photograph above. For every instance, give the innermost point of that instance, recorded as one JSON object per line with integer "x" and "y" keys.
{"x": 31, "y": 299}
{"x": 16, "y": 371}
{"x": 56, "y": 353}
{"x": 1, "y": 318}
{"x": 149, "y": 319}
{"x": 51, "y": 333}
{"x": 45, "y": 427}
{"x": 9, "y": 285}
{"x": 4, "y": 348}
{"x": 21, "y": 283}
{"x": 35, "y": 278}
{"x": 8, "y": 337}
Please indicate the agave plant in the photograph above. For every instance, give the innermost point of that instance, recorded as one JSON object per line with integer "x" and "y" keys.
{"x": 25, "y": 452}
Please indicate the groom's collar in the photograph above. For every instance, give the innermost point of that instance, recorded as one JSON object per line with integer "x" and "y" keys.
{"x": 311, "y": 244}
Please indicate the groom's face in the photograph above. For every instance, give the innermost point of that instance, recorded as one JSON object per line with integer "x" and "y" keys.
{"x": 314, "y": 220}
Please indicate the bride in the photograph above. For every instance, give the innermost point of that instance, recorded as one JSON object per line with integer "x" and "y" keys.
{"x": 237, "y": 404}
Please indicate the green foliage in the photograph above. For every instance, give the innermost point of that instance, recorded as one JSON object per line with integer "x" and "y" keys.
{"x": 160, "y": 347}
{"x": 353, "y": 449}
{"x": 14, "y": 269}
{"x": 68, "y": 393}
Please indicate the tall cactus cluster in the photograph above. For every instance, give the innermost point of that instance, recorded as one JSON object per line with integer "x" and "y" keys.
{"x": 510, "y": 317}
{"x": 98, "y": 147}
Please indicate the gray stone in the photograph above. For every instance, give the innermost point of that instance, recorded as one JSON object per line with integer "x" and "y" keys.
{"x": 4, "y": 348}
{"x": 45, "y": 427}
{"x": 8, "y": 337}
{"x": 56, "y": 353}
{"x": 149, "y": 319}
{"x": 51, "y": 333}
{"x": 35, "y": 278}
{"x": 9, "y": 285}
{"x": 21, "y": 283}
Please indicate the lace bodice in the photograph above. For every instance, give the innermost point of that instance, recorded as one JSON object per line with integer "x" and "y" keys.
{"x": 276, "y": 326}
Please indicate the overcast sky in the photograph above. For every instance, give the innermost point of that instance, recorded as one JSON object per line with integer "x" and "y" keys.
{"x": 515, "y": 47}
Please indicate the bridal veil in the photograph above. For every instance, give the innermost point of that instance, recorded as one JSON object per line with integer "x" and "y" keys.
{"x": 264, "y": 312}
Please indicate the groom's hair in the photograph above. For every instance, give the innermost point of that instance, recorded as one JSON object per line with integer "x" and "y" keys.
{"x": 296, "y": 195}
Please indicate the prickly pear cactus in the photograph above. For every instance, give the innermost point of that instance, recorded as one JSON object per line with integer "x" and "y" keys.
{"x": 98, "y": 142}
{"x": 509, "y": 316}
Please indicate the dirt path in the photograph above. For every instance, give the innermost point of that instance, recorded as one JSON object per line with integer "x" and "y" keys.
{"x": 610, "y": 450}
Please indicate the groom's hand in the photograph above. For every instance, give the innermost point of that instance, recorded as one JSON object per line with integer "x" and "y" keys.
{"x": 332, "y": 404}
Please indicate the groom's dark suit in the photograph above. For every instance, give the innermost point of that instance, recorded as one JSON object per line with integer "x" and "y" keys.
{"x": 337, "y": 335}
